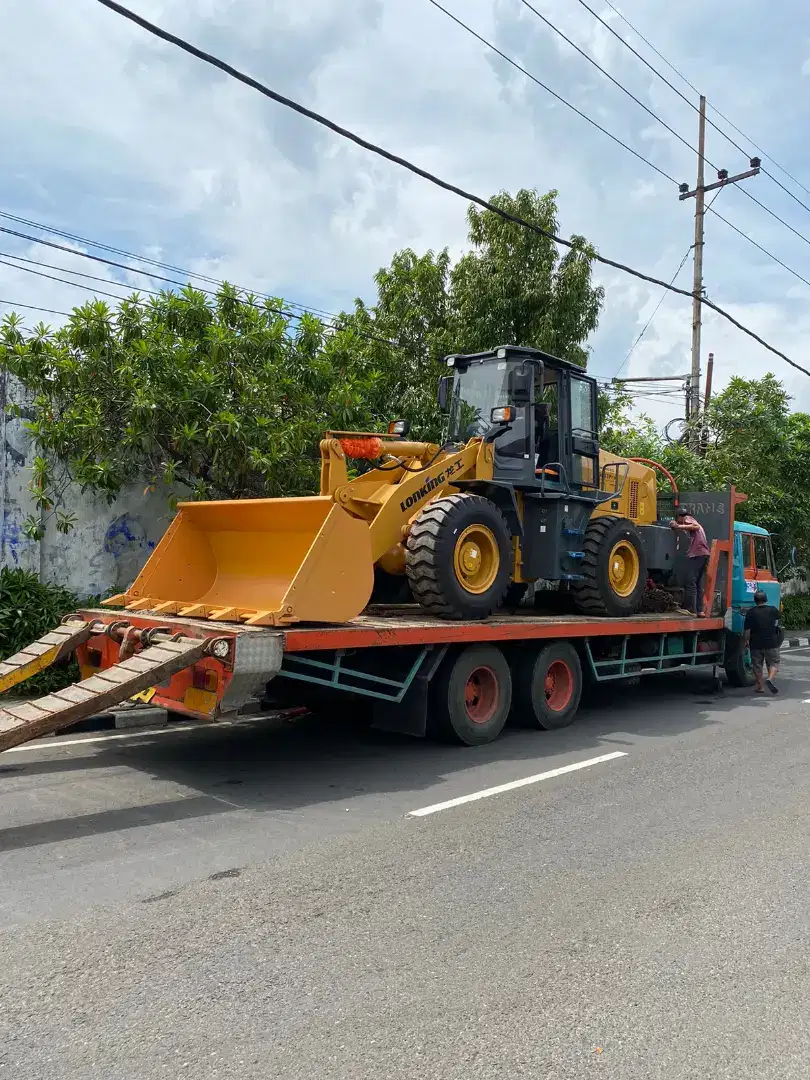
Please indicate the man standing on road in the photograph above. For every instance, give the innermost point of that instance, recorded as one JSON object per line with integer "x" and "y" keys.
{"x": 762, "y": 632}
{"x": 696, "y": 558}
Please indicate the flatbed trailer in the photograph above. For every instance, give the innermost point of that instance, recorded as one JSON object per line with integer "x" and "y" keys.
{"x": 402, "y": 670}
{"x": 395, "y": 667}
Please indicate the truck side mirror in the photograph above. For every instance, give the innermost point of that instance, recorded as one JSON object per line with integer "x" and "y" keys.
{"x": 445, "y": 389}
{"x": 520, "y": 386}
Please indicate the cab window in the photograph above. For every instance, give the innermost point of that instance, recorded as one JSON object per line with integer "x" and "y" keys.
{"x": 763, "y": 555}
{"x": 748, "y": 563}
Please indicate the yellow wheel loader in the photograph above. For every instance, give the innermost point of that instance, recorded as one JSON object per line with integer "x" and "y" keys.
{"x": 518, "y": 492}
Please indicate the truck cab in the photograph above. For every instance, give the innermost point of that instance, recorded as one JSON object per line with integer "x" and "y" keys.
{"x": 753, "y": 568}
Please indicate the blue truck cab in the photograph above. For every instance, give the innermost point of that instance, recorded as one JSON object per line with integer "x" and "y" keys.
{"x": 753, "y": 568}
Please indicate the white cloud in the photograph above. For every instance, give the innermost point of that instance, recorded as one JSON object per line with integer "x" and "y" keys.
{"x": 124, "y": 139}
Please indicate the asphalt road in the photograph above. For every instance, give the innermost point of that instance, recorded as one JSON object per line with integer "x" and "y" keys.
{"x": 259, "y": 901}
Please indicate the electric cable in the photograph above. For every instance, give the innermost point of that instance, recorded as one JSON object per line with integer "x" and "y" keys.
{"x": 345, "y": 133}
{"x": 722, "y": 116}
{"x": 554, "y": 94}
{"x": 34, "y": 307}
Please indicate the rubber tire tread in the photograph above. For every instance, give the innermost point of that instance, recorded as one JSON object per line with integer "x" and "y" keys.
{"x": 447, "y": 718}
{"x": 529, "y": 709}
{"x": 734, "y": 663}
{"x": 429, "y": 565}
{"x": 593, "y": 597}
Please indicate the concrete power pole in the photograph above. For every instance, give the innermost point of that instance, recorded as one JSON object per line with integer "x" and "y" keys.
{"x": 699, "y": 195}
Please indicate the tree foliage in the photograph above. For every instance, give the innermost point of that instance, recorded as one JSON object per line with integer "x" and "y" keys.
{"x": 750, "y": 438}
{"x": 222, "y": 398}
{"x": 228, "y": 396}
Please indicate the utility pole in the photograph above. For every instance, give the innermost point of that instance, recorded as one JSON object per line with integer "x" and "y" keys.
{"x": 697, "y": 276}
{"x": 699, "y": 195}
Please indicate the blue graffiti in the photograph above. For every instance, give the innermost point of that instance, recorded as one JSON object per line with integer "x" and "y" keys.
{"x": 124, "y": 534}
{"x": 12, "y": 538}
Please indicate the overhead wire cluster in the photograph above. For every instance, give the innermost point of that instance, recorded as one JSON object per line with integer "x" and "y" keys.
{"x": 319, "y": 118}
{"x": 668, "y": 287}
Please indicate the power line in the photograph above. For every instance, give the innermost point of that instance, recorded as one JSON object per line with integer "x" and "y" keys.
{"x": 764, "y": 251}
{"x": 34, "y": 307}
{"x": 551, "y": 25}
{"x": 78, "y": 273}
{"x": 652, "y": 113}
{"x": 66, "y": 281}
{"x": 548, "y": 90}
{"x": 318, "y": 118}
{"x": 336, "y": 324}
{"x": 606, "y": 73}
{"x": 722, "y": 116}
{"x": 188, "y": 274}
{"x": 663, "y": 296}
{"x": 716, "y": 127}
{"x": 774, "y": 215}
{"x": 656, "y": 309}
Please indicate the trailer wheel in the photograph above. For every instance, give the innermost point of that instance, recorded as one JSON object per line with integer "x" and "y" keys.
{"x": 614, "y": 569}
{"x": 471, "y": 697}
{"x": 459, "y": 557}
{"x": 547, "y": 687}
{"x": 737, "y": 662}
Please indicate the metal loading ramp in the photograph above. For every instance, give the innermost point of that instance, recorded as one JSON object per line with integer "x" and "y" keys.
{"x": 46, "y": 715}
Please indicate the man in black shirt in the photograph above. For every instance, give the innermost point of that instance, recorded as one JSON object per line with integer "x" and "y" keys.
{"x": 763, "y": 633}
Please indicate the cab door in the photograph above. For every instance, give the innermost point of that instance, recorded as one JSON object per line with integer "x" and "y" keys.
{"x": 583, "y": 440}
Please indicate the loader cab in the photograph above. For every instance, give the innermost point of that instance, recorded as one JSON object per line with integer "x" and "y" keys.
{"x": 550, "y": 444}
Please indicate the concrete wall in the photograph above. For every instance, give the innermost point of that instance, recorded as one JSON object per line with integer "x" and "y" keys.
{"x": 109, "y": 544}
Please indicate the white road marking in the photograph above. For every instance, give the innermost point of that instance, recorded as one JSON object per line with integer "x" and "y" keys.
{"x": 56, "y": 744}
{"x": 513, "y": 784}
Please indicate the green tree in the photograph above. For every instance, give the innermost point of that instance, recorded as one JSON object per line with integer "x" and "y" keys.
{"x": 514, "y": 287}
{"x": 752, "y": 440}
{"x": 214, "y": 398}
{"x": 229, "y": 397}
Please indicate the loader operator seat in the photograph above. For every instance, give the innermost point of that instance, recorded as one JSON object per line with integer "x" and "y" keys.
{"x": 546, "y": 443}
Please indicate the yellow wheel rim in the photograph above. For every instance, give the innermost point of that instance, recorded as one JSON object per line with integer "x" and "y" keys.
{"x": 623, "y": 568}
{"x": 476, "y": 559}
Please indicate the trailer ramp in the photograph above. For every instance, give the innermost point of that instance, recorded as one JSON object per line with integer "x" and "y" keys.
{"x": 49, "y": 649}
{"x": 46, "y": 715}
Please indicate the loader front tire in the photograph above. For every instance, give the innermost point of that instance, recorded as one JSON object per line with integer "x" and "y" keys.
{"x": 614, "y": 569}
{"x": 459, "y": 557}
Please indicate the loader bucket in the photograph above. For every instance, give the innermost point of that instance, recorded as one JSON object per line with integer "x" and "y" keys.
{"x": 261, "y": 561}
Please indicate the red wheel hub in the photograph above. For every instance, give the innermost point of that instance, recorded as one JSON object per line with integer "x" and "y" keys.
{"x": 481, "y": 695}
{"x": 558, "y": 685}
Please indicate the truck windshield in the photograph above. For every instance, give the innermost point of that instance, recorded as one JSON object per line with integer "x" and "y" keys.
{"x": 477, "y": 390}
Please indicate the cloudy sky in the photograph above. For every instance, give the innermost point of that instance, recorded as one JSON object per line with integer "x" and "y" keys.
{"x": 115, "y": 136}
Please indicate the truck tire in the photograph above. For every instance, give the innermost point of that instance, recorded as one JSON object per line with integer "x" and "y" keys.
{"x": 458, "y": 557}
{"x": 737, "y": 662}
{"x": 471, "y": 696}
{"x": 547, "y": 686}
{"x": 614, "y": 569}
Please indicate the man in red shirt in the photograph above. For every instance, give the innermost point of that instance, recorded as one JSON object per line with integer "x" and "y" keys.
{"x": 696, "y": 558}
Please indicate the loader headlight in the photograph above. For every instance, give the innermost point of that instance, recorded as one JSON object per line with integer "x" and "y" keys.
{"x": 399, "y": 427}
{"x": 504, "y": 415}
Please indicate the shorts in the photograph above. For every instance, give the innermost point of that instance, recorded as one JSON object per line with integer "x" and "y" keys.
{"x": 764, "y": 656}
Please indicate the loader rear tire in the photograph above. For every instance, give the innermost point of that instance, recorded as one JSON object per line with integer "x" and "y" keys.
{"x": 614, "y": 569}
{"x": 458, "y": 557}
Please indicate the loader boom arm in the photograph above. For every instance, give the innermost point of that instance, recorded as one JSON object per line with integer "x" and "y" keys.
{"x": 389, "y": 498}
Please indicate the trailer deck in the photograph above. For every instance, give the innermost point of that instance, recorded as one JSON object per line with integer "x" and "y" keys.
{"x": 407, "y": 625}
{"x": 204, "y": 669}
